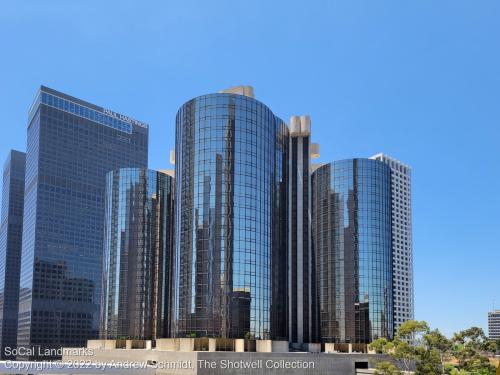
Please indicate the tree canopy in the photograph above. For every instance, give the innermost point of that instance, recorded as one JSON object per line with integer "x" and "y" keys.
{"x": 434, "y": 354}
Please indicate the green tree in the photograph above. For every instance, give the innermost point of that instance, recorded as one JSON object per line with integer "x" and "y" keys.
{"x": 405, "y": 353}
{"x": 493, "y": 347}
{"x": 429, "y": 362}
{"x": 412, "y": 330}
{"x": 436, "y": 342}
{"x": 387, "y": 368}
{"x": 430, "y": 350}
{"x": 408, "y": 342}
{"x": 454, "y": 371}
{"x": 472, "y": 338}
{"x": 468, "y": 349}
{"x": 381, "y": 345}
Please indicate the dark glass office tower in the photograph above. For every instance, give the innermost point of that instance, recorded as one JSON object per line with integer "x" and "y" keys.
{"x": 72, "y": 144}
{"x": 351, "y": 221}
{"x": 138, "y": 244}
{"x": 231, "y": 219}
{"x": 301, "y": 326}
{"x": 11, "y": 231}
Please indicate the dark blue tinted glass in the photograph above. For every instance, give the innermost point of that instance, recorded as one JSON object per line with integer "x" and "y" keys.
{"x": 230, "y": 219}
{"x": 351, "y": 215}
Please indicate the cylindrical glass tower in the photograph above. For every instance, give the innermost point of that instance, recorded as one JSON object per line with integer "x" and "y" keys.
{"x": 351, "y": 221}
{"x": 138, "y": 245}
{"x": 230, "y": 250}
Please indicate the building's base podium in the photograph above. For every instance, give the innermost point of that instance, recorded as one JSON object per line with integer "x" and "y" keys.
{"x": 266, "y": 359}
{"x": 227, "y": 345}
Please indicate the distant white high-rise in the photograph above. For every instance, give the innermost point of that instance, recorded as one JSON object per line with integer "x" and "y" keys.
{"x": 494, "y": 325}
{"x": 402, "y": 246}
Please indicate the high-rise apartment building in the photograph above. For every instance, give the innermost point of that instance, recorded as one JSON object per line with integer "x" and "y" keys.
{"x": 351, "y": 242}
{"x": 494, "y": 325}
{"x": 402, "y": 245}
{"x": 72, "y": 144}
{"x": 138, "y": 245}
{"x": 231, "y": 218}
{"x": 11, "y": 231}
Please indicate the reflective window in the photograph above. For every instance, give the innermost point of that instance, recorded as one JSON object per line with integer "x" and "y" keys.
{"x": 67, "y": 159}
{"x": 137, "y": 254}
{"x": 351, "y": 213}
{"x": 230, "y": 219}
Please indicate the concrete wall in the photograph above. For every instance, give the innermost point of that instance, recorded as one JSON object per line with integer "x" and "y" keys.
{"x": 263, "y": 346}
{"x": 95, "y": 344}
{"x": 280, "y": 346}
{"x": 311, "y": 347}
{"x": 167, "y": 344}
{"x": 274, "y": 363}
{"x": 232, "y": 363}
{"x": 328, "y": 348}
{"x": 186, "y": 345}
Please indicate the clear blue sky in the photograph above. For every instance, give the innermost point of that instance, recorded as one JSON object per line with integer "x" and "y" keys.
{"x": 418, "y": 80}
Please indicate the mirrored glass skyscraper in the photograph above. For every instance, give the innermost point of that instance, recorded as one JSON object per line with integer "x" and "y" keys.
{"x": 11, "y": 231}
{"x": 351, "y": 221}
{"x": 231, "y": 219}
{"x": 72, "y": 144}
{"x": 138, "y": 246}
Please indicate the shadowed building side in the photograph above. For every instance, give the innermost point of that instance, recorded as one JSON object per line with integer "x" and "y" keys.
{"x": 11, "y": 231}
{"x": 302, "y": 327}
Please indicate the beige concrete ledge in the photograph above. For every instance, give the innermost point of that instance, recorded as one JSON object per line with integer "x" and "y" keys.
{"x": 186, "y": 345}
{"x": 95, "y": 344}
{"x": 270, "y": 346}
{"x": 329, "y": 347}
{"x": 168, "y": 345}
{"x": 239, "y": 345}
{"x": 263, "y": 346}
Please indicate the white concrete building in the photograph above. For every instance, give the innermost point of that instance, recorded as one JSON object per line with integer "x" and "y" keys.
{"x": 494, "y": 325}
{"x": 402, "y": 245}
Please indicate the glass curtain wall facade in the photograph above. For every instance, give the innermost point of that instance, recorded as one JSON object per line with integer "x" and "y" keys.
{"x": 231, "y": 219}
{"x": 72, "y": 144}
{"x": 11, "y": 231}
{"x": 138, "y": 246}
{"x": 351, "y": 221}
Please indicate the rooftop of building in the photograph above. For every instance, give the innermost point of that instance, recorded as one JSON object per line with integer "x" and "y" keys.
{"x": 104, "y": 111}
{"x": 381, "y": 155}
